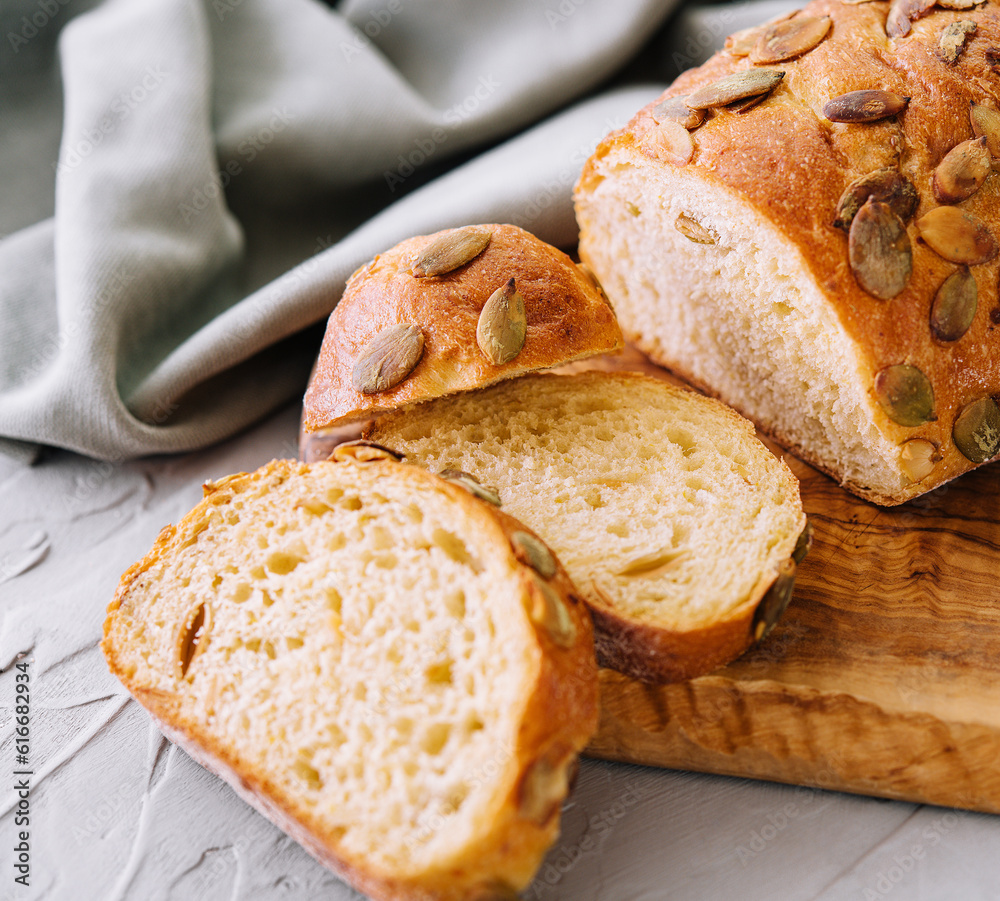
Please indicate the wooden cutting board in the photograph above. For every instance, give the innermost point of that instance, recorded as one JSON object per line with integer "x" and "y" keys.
{"x": 883, "y": 676}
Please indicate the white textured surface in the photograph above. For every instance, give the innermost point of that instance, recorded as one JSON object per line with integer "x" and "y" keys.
{"x": 118, "y": 813}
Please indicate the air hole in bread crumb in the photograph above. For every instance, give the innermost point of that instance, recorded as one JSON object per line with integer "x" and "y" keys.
{"x": 337, "y": 542}
{"x": 333, "y": 598}
{"x": 262, "y": 541}
{"x": 266, "y": 598}
{"x": 307, "y": 773}
{"x": 386, "y": 561}
{"x": 282, "y": 562}
{"x": 352, "y": 503}
{"x": 593, "y": 497}
{"x": 242, "y": 592}
{"x": 455, "y": 548}
{"x": 436, "y": 738}
{"x": 293, "y": 643}
{"x": 455, "y": 603}
{"x": 414, "y": 513}
{"x": 404, "y": 728}
{"x": 257, "y": 572}
{"x": 618, "y": 528}
{"x": 439, "y": 673}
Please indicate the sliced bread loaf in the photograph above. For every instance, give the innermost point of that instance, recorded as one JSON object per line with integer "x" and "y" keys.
{"x": 673, "y": 519}
{"x": 359, "y": 650}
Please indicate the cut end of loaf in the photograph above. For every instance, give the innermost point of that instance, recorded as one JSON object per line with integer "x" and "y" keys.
{"x": 666, "y": 510}
{"x": 353, "y": 641}
{"x": 708, "y": 288}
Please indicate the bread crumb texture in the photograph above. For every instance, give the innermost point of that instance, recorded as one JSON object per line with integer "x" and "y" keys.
{"x": 343, "y": 637}
{"x": 660, "y": 503}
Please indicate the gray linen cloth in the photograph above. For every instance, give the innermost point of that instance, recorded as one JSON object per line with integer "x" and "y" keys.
{"x": 188, "y": 183}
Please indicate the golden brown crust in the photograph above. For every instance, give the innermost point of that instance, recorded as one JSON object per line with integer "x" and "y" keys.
{"x": 558, "y": 718}
{"x": 791, "y": 164}
{"x": 567, "y": 319}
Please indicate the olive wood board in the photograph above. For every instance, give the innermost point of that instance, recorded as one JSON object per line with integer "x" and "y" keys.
{"x": 882, "y": 677}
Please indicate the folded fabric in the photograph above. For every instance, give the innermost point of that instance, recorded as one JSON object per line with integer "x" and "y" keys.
{"x": 224, "y": 166}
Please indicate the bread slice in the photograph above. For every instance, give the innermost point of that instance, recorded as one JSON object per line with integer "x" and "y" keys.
{"x": 742, "y": 263}
{"x": 359, "y": 651}
{"x": 668, "y": 513}
{"x": 565, "y": 317}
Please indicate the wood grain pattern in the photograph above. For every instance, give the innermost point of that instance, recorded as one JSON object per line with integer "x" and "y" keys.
{"x": 882, "y": 678}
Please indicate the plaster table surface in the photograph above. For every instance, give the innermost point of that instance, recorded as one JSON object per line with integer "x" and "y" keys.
{"x": 117, "y": 812}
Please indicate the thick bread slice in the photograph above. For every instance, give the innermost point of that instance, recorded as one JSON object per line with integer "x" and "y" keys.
{"x": 668, "y": 513}
{"x": 730, "y": 271}
{"x": 568, "y": 318}
{"x": 357, "y": 649}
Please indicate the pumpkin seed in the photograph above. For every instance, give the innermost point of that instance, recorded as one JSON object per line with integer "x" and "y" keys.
{"x": 775, "y": 602}
{"x": 957, "y": 236}
{"x": 694, "y": 230}
{"x": 954, "y": 306}
{"x": 905, "y": 394}
{"x": 864, "y": 106}
{"x": 902, "y": 13}
{"x": 953, "y": 38}
{"x": 191, "y": 638}
{"x": 884, "y": 185}
{"x": 548, "y": 611}
{"x": 917, "y": 458}
{"x": 652, "y": 564}
{"x": 741, "y": 43}
{"x": 670, "y": 142}
{"x": 977, "y": 430}
{"x": 879, "y": 250}
{"x": 674, "y": 109}
{"x": 738, "y": 86}
{"x": 532, "y": 551}
{"x": 986, "y": 124}
{"x": 471, "y": 484}
{"x": 450, "y": 250}
{"x": 363, "y": 451}
{"x": 958, "y": 4}
{"x": 502, "y": 325}
{"x": 963, "y": 170}
{"x": 742, "y": 106}
{"x": 803, "y": 543}
{"x": 791, "y": 38}
{"x": 388, "y": 358}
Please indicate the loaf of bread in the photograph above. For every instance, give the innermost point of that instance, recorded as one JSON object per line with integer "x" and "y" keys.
{"x": 359, "y": 649}
{"x": 676, "y": 523}
{"x": 806, "y": 226}
{"x": 448, "y": 312}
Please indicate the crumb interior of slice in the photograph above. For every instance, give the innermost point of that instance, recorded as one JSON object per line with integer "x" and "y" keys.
{"x": 352, "y": 652}
{"x": 737, "y": 311}
{"x": 647, "y": 492}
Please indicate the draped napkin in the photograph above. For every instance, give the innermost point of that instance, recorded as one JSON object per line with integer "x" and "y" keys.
{"x": 189, "y": 184}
